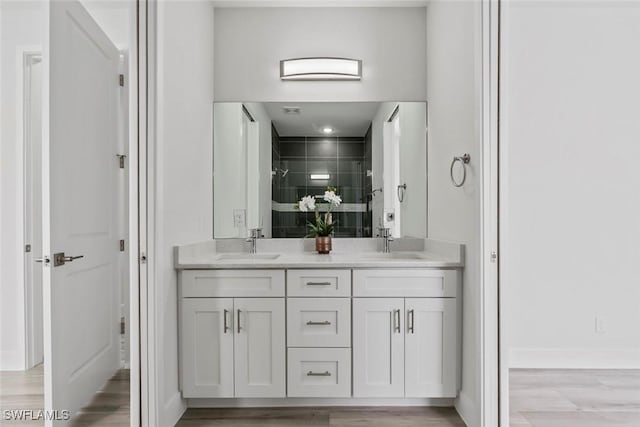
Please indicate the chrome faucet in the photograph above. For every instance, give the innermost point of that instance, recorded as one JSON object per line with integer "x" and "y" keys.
{"x": 254, "y": 235}
{"x": 385, "y": 233}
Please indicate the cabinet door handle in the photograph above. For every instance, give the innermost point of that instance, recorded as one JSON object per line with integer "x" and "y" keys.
{"x": 396, "y": 321}
{"x": 226, "y": 323}
{"x": 312, "y": 323}
{"x": 411, "y": 320}
{"x": 239, "y": 328}
{"x": 318, "y": 283}
{"x": 319, "y": 374}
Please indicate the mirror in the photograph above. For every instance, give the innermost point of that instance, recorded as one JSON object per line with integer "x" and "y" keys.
{"x": 267, "y": 156}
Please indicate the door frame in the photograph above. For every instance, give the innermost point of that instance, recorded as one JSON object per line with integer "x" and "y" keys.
{"x": 142, "y": 222}
{"x": 25, "y": 54}
{"x": 491, "y": 398}
{"x": 493, "y": 408}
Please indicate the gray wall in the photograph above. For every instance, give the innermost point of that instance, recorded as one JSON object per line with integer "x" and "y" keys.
{"x": 182, "y": 156}
{"x": 250, "y": 42}
{"x": 454, "y": 84}
{"x": 570, "y": 203}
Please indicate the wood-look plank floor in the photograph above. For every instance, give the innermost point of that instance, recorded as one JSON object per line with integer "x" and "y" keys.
{"x": 574, "y": 398}
{"x": 323, "y": 416}
{"x": 25, "y": 390}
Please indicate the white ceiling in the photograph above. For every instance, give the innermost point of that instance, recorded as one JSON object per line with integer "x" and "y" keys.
{"x": 346, "y": 118}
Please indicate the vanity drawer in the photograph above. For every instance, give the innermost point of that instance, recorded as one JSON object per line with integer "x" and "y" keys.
{"x": 319, "y": 372}
{"x": 232, "y": 283}
{"x": 318, "y": 283}
{"x": 319, "y": 322}
{"x": 405, "y": 283}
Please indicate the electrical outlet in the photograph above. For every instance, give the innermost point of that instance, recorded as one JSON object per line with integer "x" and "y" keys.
{"x": 601, "y": 325}
{"x": 239, "y": 218}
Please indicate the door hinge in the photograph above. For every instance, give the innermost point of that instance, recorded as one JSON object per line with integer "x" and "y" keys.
{"x": 27, "y": 248}
{"x": 122, "y": 245}
{"x": 121, "y": 79}
{"x": 122, "y": 326}
{"x": 121, "y": 158}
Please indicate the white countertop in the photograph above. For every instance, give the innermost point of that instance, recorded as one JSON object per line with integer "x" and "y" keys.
{"x": 349, "y": 253}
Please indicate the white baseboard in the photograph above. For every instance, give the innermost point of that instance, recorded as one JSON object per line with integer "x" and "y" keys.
{"x": 173, "y": 410}
{"x": 573, "y": 359}
{"x": 467, "y": 409}
{"x": 304, "y": 401}
{"x": 11, "y": 360}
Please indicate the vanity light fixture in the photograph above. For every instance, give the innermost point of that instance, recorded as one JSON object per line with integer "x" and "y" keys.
{"x": 320, "y": 176}
{"x": 327, "y": 130}
{"x": 321, "y": 68}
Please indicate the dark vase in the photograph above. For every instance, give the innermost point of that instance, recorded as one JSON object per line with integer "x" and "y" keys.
{"x": 323, "y": 244}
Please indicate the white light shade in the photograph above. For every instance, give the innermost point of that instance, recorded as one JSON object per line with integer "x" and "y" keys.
{"x": 320, "y": 176}
{"x": 321, "y": 69}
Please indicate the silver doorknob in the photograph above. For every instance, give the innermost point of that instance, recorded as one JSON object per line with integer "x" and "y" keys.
{"x": 60, "y": 259}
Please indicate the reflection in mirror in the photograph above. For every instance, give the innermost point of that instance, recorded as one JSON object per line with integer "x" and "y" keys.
{"x": 267, "y": 156}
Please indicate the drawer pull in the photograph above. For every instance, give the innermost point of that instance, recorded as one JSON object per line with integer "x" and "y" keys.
{"x": 226, "y": 323}
{"x": 312, "y": 323}
{"x": 396, "y": 321}
{"x": 319, "y": 374}
{"x": 411, "y": 320}
{"x": 318, "y": 283}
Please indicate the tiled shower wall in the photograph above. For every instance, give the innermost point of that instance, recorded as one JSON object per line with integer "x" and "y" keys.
{"x": 344, "y": 159}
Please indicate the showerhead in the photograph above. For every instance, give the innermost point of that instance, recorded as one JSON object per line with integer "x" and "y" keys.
{"x": 284, "y": 172}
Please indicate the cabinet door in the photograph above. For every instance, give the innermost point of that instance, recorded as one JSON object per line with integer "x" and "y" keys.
{"x": 378, "y": 347}
{"x": 207, "y": 347}
{"x": 430, "y": 345}
{"x": 260, "y": 369}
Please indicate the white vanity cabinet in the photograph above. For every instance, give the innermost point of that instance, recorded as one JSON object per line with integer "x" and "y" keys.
{"x": 232, "y": 345}
{"x": 320, "y": 333}
{"x": 405, "y": 347}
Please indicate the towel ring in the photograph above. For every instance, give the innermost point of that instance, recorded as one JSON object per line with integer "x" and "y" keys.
{"x": 464, "y": 160}
{"x": 401, "y": 189}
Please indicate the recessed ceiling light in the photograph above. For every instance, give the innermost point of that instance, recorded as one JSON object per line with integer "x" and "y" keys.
{"x": 291, "y": 110}
{"x": 327, "y": 130}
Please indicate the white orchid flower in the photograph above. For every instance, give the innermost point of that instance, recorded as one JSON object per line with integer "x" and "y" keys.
{"x": 308, "y": 203}
{"x": 332, "y": 197}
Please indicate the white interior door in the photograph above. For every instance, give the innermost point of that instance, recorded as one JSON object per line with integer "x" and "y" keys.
{"x": 378, "y": 347}
{"x": 80, "y": 209}
{"x": 260, "y": 364}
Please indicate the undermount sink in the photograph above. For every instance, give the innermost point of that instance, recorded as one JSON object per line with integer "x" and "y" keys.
{"x": 242, "y": 257}
{"x": 393, "y": 255}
